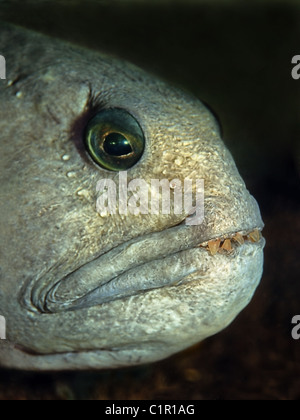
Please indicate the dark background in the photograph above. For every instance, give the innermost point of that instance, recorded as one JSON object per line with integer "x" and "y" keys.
{"x": 236, "y": 56}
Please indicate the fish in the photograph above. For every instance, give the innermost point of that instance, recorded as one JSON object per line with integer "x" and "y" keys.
{"x": 89, "y": 280}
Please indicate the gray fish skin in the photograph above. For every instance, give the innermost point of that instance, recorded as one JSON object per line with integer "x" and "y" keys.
{"x": 54, "y": 243}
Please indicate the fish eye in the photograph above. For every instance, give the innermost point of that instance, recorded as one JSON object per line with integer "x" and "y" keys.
{"x": 114, "y": 139}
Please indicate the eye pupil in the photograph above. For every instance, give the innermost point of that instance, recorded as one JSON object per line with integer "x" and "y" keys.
{"x": 117, "y": 145}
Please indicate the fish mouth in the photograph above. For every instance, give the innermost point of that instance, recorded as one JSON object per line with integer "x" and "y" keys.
{"x": 163, "y": 259}
{"x": 204, "y": 284}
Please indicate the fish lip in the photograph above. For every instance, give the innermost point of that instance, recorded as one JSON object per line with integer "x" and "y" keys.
{"x": 243, "y": 285}
{"x": 52, "y": 303}
{"x": 93, "y": 300}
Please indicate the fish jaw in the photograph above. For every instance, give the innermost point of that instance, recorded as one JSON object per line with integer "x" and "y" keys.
{"x": 198, "y": 294}
{"x": 211, "y": 289}
{"x": 212, "y": 300}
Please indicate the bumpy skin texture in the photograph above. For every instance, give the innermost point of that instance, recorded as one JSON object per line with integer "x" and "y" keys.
{"x": 54, "y": 244}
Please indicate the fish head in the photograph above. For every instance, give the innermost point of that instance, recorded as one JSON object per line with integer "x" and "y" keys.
{"x": 127, "y": 233}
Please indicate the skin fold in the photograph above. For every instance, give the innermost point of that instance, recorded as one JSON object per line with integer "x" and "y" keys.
{"x": 83, "y": 291}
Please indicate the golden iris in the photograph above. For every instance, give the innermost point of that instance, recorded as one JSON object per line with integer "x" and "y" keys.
{"x": 114, "y": 139}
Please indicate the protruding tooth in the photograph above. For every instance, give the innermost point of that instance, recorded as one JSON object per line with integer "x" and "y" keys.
{"x": 227, "y": 246}
{"x": 254, "y": 236}
{"x": 214, "y": 246}
{"x": 239, "y": 239}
